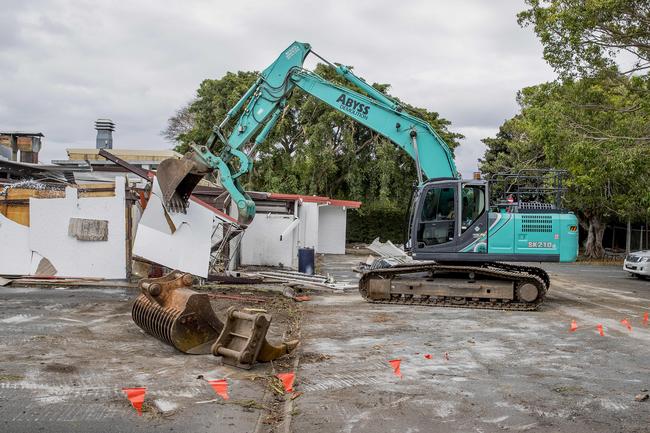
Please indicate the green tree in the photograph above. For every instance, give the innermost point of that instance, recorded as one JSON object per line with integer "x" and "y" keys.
{"x": 315, "y": 149}
{"x": 594, "y": 121}
{"x": 588, "y": 128}
{"x": 585, "y": 36}
{"x": 213, "y": 99}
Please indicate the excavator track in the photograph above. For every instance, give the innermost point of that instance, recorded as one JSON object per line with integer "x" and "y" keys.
{"x": 528, "y": 285}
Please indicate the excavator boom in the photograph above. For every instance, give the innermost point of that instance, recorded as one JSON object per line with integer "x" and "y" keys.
{"x": 456, "y": 236}
{"x": 262, "y": 106}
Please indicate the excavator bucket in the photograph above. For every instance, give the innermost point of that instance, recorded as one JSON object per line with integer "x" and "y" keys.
{"x": 169, "y": 310}
{"x": 178, "y": 178}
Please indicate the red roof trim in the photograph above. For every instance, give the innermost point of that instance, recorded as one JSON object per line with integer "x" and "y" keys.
{"x": 315, "y": 199}
{"x": 347, "y": 203}
{"x": 213, "y": 209}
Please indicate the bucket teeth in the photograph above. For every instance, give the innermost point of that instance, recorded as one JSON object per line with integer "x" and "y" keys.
{"x": 154, "y": 319}
{"x": 178, "y": 178}
{"x": 167, "y": 309}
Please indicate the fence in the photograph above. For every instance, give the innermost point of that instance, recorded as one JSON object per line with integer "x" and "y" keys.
{"x": 615, "y": 238}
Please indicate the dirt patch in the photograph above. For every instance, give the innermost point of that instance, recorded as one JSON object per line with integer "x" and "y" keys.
{"x": 60, "y": 368}
{"x": 286, "y": 315}
{"x": 10, "y": 378}
{"x": 604, "y": 261}
{"x": 380, "y": 318}
{"x": 313, "y": 357}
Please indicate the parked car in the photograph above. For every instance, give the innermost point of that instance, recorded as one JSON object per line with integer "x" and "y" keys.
{"x": 638, "y": 264}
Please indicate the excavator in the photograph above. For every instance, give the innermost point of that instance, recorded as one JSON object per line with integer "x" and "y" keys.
{"x": 463, "y": 246}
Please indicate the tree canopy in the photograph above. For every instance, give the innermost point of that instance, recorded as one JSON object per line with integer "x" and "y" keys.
{"x": 596, "y": 129}
{"x": 314, "y": 149}
{"x": 584, "y": 36}
{"x": 594, "y": 120}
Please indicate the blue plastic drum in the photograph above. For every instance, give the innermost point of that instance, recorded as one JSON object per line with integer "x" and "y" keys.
{"x": 306, "y": 260}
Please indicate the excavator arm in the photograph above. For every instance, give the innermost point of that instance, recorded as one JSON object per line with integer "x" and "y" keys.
{"x": 261, "y": 107}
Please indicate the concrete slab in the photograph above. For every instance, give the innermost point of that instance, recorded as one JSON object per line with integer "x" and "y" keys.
{"x": 511, "y": 371}
{"x": 66, "y": 354}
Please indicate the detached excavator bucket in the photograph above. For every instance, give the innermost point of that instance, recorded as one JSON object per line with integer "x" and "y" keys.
{"x": 169, "y": 310}
{"x": 178, "y": 178}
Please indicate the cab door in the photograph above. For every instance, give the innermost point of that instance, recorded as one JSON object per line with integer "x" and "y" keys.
{"x": 450, "y": 221}
{"x": 435, "y": 224}
{"x": 472, "y": 234}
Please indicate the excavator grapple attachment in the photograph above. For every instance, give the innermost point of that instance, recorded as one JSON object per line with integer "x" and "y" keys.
{"x": 169, "y": 310}
{"x": 178, "y": 178}
{"x": 242, "y": 340}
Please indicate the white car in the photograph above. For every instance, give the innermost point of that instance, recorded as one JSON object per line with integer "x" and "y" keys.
{"x": 638, "y": 264}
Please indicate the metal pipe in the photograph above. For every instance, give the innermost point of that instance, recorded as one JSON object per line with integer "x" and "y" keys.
{"x": 240, "y": 103}
{"x": 371, "y": 91}
{"x": 268, "y": 127}
{"x": 291, "y": 227}
{"x": 417, "y": 157}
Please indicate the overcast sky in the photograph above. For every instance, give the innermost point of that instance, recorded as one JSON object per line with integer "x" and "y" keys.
{"x": 65, "y": 63}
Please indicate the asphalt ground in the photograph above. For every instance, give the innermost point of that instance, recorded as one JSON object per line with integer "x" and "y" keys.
{"x": 489, "y": 370}
{"x": 66, "y": 354}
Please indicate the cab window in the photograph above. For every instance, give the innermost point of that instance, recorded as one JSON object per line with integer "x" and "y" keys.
{"x": 473, "y": 205}
{"x": 437, "y": 218}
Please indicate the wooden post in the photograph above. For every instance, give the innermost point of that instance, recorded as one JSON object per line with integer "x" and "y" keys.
{"x": 628, "y": 237}
{"x": 129, "y": 202}
{"x": 14, "y": 147}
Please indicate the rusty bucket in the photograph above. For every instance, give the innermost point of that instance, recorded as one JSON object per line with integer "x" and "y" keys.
{"x": 170, "y": 311}
{"x": 178, "y": 178}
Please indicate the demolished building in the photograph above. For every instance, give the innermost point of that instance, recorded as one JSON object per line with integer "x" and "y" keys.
{"x": 71, "y": 221}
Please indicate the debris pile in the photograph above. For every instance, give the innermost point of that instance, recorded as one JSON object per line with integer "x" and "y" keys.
{"x": 389, "y": 255}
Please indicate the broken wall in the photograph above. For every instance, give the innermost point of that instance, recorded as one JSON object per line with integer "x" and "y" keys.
{"x": 176, "y": 240}
{"x": 261, "y": 244}
{"x": 15, "y": 253}
{"x": 97, "y": 248}
{"x": 66, "y": 234}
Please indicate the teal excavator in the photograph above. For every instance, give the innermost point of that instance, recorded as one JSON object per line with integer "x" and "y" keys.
{"x": 452, "y": 228}
{"x": 458, "y": 239}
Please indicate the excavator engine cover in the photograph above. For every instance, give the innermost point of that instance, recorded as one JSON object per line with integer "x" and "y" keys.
{"x": 170, "y": 311}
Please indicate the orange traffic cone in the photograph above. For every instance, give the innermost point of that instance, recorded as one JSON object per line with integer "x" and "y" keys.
{"x": 136, "y": 397}
{"x": 287, "y": 380}
{"x": 220, "y": 386}
{"x": 395, "y": 363}
{"x": 626, "y": 323}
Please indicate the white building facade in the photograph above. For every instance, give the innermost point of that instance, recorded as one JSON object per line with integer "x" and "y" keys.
{"x": 288, "y": 222}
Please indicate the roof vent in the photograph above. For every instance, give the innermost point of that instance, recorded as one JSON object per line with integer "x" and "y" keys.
{"x": 105, "y": 128}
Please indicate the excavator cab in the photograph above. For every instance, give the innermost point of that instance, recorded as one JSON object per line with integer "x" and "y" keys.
{"x": 448, "y": 216}
{"x": 454, "y": 220}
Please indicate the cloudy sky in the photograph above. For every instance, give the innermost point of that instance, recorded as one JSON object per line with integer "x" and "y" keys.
{"x": 66, "y": 63}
